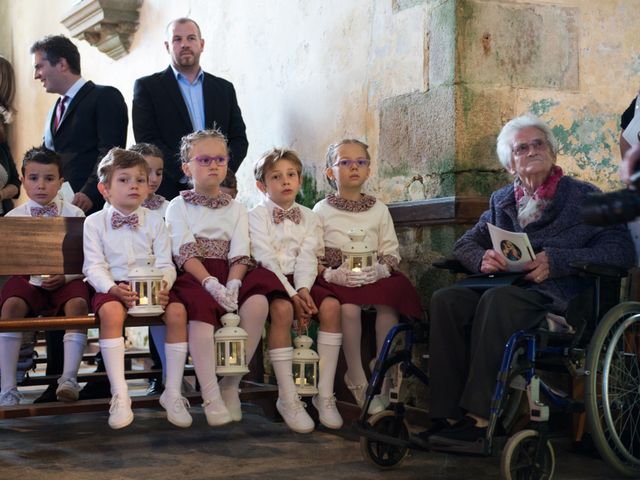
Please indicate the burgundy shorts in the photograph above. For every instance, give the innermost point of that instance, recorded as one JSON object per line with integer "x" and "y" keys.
{"x": 99, "y": 299}
{"x": 395, "y": 291}
{"x": 41, "y": 301}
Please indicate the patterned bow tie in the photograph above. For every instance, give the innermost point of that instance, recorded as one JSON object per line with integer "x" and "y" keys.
{"x": 292, "y": 214}
{"x": 50, "y": 210}
{"x": 153, "y": 203}
{"x": 118, "y": 220}
{"x": 190, "y": 196}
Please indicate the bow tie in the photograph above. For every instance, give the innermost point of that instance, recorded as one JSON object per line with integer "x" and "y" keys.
{"x": 292, "y": 214}
{"x": 50, "y": 210}
{"x": 190, "y": 196}
{"x": 118, "y": 220}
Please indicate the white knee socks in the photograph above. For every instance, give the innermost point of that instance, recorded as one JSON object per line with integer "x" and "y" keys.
{"x": 204, "y": 359}
{"x": 282, "y": 362}
{"x": 328, "y": 350}
{"x": 9, "y": 352}
{"x": 113, "y": 355}
{"x": 176, "y": 356}
{"x": 73, "y": 349}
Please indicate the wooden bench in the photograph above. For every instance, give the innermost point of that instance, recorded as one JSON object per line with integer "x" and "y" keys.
{"x": 53, "y": 246}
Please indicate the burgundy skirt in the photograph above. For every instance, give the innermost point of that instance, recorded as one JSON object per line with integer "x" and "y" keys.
{"x": 395, "y": 291}
{"x": 100, "y": 299}
{"x": 44, "y": 302}
{"x": 200, "y": 305}
{"x": 261, "y": 281}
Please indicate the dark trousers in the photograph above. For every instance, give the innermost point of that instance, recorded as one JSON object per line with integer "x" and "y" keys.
{"x": 55, "y": 352}
{"x": 468, "y": 332}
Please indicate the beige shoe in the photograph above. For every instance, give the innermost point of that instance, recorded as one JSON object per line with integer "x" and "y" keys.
{"x": 216, "y": 412}
{"x": 231, "y": 398}
{"x": 327, "y": 411}
{"x": 294, "y": 414}
{"x": 68, "y": 390}
{"x": 359, "y": 393}
{"x": 176, "y": 407}
{"x": 120, "y": 413}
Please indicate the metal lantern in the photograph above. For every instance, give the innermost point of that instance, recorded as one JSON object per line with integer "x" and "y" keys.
{"x": 357, "y": 252}
{"x": 305, "y": 366}
{"x": 231, "y": 346}
{"x": 146, "y": 281}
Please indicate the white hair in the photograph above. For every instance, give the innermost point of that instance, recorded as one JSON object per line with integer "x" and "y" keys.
{"x": 504, "y": 145}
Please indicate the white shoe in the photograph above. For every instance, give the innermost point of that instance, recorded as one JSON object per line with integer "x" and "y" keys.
{"x": 216, "y": 412}
{"x": 176, "y": 407}
{"x": 120, "y": 413}
{"x": 327, "y": 411}
{"x": 387, "y": 382}
{"x": 68, "y": 390}
{"x": 294, "y": 414}
{"x": 359, "y": 392}
{"x": 10, "y": 398}
{"x": 231, "y": 398}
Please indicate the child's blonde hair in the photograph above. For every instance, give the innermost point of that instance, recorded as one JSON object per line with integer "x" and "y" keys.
{"x": 189, "y": 140}
{"x": 332, "y": 154}
{"x": 268, "y": 159}
{"x": 118, "y": 159}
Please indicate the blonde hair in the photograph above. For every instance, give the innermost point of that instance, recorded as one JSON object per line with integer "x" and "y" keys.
{"x": 268, "y": 159}
{"x": 189, "y": 140}
{"x": 118, "y": 159}
{"x": 332, "y": 154}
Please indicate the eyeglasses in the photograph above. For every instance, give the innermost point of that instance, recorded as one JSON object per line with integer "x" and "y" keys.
{"x": 359, "y": 162}
{"x": 523, "y": 148}
{"x": 205, "y": 160}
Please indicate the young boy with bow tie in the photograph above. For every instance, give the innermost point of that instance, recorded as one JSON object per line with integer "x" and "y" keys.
{"x": 43, "y": 295}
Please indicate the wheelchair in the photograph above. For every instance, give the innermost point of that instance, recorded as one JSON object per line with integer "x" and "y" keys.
{"x": 604, "y": 352}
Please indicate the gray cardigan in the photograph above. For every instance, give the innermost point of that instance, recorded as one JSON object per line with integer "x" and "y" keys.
{"x": 559, "y": 232}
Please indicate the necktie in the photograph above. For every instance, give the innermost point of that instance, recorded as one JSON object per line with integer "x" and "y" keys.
{"x": 118, "y": 220}
{"x": 292, "y": 214}
{"x": 50, "y": 210}
{"x": 60, "y": 112}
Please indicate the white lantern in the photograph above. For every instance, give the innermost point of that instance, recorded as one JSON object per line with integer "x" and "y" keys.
{"x": 305, "y": 366}
{"x": 146, "y": 281}
{"x": 358, "y": 253}
{"x": 231, "y": 346}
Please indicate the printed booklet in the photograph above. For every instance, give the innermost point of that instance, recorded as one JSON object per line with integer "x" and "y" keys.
{"x": 514, "y": 246}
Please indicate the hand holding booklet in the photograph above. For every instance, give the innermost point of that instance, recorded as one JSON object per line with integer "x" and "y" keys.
{"x": 515, "y": 247}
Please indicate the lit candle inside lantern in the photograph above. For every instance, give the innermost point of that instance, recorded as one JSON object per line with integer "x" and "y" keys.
{"x": 356, "y": 269}
{"x": 144, "y": 301}
{"x": 232, "y": 360}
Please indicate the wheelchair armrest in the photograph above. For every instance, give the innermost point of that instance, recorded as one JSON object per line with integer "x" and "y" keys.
{"x": 451, "y": 264}
{"x": 600, "y": 270}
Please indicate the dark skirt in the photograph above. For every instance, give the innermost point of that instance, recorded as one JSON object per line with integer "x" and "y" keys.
{"x": 395, "y": 291}
{"x": 41, "y": 301}
{"x": 200, "y": 305}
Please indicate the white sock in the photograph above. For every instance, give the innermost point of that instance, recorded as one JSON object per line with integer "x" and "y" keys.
{"x": 328, "y": 350}
{"x": 159, "y": 335}
{"x": 351, "y": 337}
{"x": 253, "y": 314}
{"x": 9, "y": 353}
{"x": 176, "y": 358}
{"x": 73, "y": 349}
{"x": 204, "y": 359}
{"x": 113, "y": 355}
{"x": 282, "y": 362}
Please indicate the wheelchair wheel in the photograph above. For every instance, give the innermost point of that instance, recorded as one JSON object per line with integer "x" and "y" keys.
{"x": 519, "y": 458}
{"x": 380, "y": 454}
{"x": 612, "y": 394}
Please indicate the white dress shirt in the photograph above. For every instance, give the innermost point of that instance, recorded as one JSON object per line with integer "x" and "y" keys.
{"x": 110, "y": 253}
{"x": 286, "y": 248}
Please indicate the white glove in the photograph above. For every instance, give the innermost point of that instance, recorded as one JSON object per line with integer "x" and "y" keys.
{"x": 344, "y": 277}
{"x": 375, "y": 272}
{"x": 219, "y": 294}
{"x": 233, "y": 287}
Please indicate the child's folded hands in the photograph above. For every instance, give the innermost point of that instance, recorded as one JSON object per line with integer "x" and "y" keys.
{"x": 344, "y": 276}
{"x": 220, "y": 294}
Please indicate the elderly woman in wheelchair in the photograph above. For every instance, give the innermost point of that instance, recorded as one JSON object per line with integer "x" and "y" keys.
{"x": 544, "y": 204}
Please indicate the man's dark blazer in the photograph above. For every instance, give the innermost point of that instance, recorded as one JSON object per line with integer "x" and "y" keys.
{"x": 95, "y": 121}
{"x": 160, "y": 117}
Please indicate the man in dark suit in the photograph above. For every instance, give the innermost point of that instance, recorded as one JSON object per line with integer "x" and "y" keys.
{"x": 183, "y": 98}
{"x": 86, "y": 121}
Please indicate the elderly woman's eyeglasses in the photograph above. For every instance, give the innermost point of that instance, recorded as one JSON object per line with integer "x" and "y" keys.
{"x": 359, "y": 162}
{"x": 205, "y": 160}
{"x": 523, "y": 148}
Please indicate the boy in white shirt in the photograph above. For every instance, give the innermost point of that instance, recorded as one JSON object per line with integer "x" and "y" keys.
{"x": 114, "y": 238}
{"x": 39, "y": 295}
{"x": 286, "y": 239}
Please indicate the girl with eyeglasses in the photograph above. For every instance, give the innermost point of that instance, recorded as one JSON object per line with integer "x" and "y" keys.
{"x": 381, "y": 285}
